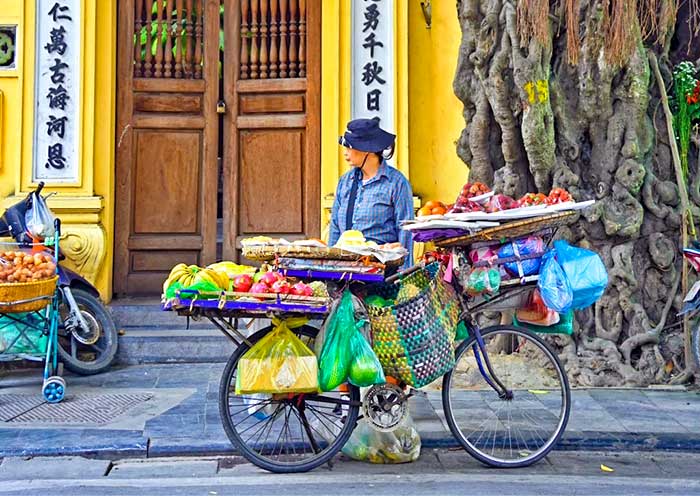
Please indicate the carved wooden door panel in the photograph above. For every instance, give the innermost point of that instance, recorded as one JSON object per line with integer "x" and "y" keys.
{"x": 272, "y": 87}
{"x": 166, "y": 139}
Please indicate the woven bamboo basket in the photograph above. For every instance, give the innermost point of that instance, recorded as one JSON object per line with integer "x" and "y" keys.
{"x": 14, "y": 295}
{"x": 510, "y": 230}
{"x": 266, "y": 253}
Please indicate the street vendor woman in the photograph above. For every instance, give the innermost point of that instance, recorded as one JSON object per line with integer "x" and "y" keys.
{"x": 373, "y": 197}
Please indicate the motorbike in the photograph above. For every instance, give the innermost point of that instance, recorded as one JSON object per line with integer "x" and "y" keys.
{"x": 87, "y": 335}
{"x": 691, "y": 302}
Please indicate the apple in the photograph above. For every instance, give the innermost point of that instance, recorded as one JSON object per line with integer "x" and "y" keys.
{"x": 242, "y": 283}
{"x": 281, "y": 287}
{"x": 260, "y": 288}
{"x": 257, "y": 276}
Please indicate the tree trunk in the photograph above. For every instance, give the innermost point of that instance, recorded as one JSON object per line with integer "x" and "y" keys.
{"x": 534, "y": 121}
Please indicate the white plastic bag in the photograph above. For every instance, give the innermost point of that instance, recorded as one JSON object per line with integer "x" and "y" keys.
{"x": 39, "y": 219}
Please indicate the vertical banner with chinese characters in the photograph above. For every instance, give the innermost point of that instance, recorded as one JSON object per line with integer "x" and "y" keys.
{"x": 57, "y": 99}
{"x": 373, "y": 61}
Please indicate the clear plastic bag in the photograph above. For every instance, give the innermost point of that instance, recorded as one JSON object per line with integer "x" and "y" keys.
{"x": 278, "y": 363}
{"x": 554, "y": 285}
{"x": 346, "y": 352}
{"x": 585, "y": 271}
{"x": 365, "y": 369}
{"x": 483, "y": 280}
{"x": 536, "y": 312}
{"x": 366, "y": 444}
{"x": 39, "y": 219}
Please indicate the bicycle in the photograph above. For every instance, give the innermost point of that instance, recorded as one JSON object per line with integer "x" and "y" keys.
{"x": 691, "y": 306}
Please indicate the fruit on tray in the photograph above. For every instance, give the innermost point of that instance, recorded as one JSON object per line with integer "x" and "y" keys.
{"x": 464, "y": 205}
{"x": 18, "y": 266}
{"x": 558, "y": 195}
{"x": 232, "y": 269}
{"x": 319, "y": 289}
{"x": 218, "y": 279}
{"x": 432, "y": 207}
{"x": 301, "y": 289}
{"x": 470, "y": 190}
{"x": 242, "y": 283}
{"x": 281, "y": 286}
{"x": 498, "y": 203}
{"x": 530, "y": 199}
{"x": 182, "y": 273}
{"x": 259, "y": 288}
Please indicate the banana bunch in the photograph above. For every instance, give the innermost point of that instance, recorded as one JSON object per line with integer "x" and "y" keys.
{"x": 218, "y": 278}
{"x": 231, "y": 269}
{"x": 182, "y": 273}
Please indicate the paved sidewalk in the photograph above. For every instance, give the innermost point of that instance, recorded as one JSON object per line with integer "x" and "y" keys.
{"x": 172, "y": 410}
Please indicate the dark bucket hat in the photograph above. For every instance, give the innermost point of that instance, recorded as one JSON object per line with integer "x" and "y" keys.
{"x": 365, "y": 135}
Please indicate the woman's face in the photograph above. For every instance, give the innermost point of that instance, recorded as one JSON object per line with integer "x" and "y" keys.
{"x": 354, "y": 157}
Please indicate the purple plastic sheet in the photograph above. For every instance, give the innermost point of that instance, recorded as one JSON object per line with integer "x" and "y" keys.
{"x": 424, "y": 235}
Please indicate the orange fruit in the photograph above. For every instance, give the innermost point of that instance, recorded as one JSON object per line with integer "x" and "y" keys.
{"x": 438, "y": 211}
{"x": 423, "y": 211}
{"x": 431, "y": 204}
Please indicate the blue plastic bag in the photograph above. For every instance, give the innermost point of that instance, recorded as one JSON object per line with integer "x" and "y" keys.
{"x": 585, "y": 271}
{"x": 524, "y": 246}
{"x": 554, "y": 285}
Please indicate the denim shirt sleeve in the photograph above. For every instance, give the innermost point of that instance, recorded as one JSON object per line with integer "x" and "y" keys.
{"x": 404, "y": 211}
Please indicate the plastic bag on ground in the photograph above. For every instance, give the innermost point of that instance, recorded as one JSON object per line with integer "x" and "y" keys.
{"x": 366, "y": 444}
{"x": 279, "y": 363}
{"x": 554, "y": 285}
{"x": 365, "y": 368}
{"x": 39, "y": 219}
{"x": 585, "y": 271}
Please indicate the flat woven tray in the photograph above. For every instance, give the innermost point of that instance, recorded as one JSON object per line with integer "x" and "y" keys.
{"x": 266, "y": 253}
{"x": 18, "y": 297}
{"x": 510, "y": 230}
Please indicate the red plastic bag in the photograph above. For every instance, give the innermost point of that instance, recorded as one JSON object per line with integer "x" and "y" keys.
{"x": 536, "y": 312}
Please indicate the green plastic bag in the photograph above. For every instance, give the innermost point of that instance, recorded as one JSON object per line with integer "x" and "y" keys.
{"x": 462, "y": 332}
{"x": 23, "y": 336}
{"x": 365, "y": 369}
{"x": 336, "y": 355}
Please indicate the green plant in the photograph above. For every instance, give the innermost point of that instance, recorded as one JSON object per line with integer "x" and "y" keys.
{"x": 686, "y": 88}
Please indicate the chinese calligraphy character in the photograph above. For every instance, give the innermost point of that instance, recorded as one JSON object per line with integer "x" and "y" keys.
{"x": 55, "y": 12}
{"x": 371, "y": 42}
{"x": 373, "y": 100}
{"x": 57, "y": 124}
{"x": 371, "y": 73}
{"x": 371, "y": 18}
{"x": 56, "y": 159}
{"x": 58, "y": 97}
{"x": 57, "y": 43}
{"x": 58, "y": 77}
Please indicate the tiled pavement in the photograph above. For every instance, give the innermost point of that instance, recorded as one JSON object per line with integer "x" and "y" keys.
{"x": 183, "y": 417}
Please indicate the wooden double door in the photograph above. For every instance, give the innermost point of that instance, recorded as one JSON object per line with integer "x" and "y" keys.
{"x": 218, "y": 131}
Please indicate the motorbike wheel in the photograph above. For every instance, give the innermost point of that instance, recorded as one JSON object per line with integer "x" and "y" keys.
{"x": 88, "y": 359}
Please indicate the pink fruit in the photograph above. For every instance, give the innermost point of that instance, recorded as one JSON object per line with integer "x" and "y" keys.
{"x": 242, "y": 283}
{"x": 299, "y": 289}
{"x": 260, "y": 288}
{"x": 270, "y": 278}
{"x": 308, "y": 291}
{"x": 281, "y": 287}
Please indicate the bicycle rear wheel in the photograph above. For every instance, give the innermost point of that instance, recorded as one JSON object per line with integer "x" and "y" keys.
{"x": 286, "y": 433}
{"x": 520, "y": 427}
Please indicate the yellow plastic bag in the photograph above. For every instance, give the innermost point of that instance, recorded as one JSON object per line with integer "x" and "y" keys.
{"x": 278, "y": 363}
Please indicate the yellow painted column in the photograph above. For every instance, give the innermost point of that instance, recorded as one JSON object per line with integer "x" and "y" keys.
{"x": 85, "y": 206}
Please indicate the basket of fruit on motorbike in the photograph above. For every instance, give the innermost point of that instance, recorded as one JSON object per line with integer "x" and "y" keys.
{"x": 351, "y": 245}
{"x": 27, "y": 280}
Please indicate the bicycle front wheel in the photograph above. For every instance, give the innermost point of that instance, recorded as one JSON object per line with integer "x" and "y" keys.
{"x": 289, "y": 432}
{"x": 522, "y": 424}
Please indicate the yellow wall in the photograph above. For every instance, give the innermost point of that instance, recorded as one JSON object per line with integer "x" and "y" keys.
{"x": 435, "y": 114}
{"x": 86, "y": 208}
{"x": 428, "y": 114}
